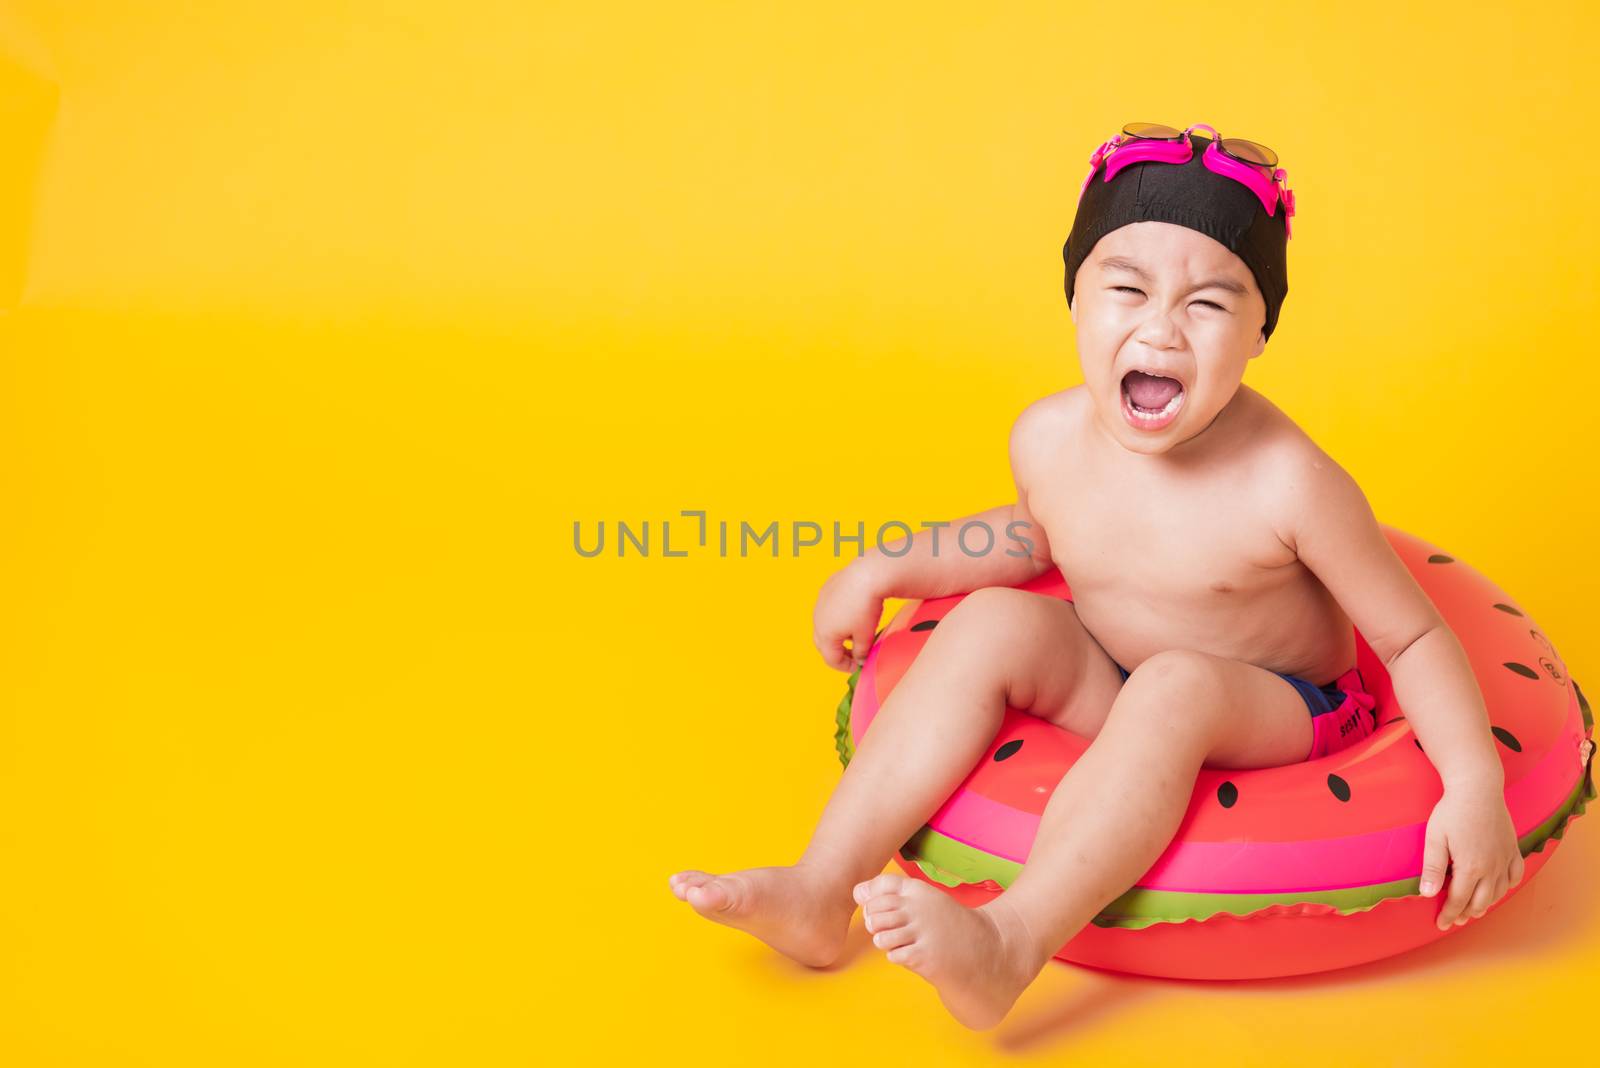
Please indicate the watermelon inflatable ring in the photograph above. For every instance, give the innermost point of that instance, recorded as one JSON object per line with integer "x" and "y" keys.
{"x": 1273, "y": 871}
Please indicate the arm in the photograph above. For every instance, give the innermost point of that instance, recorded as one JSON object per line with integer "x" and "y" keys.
{"x": 935, "y": 566}
{"x": 1335, "y": 534}
{"x": 851, "y": 602}
{"x": 1333, "y": 531}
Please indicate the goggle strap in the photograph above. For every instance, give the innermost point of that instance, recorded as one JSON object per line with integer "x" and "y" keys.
{"x": 1100, "y": 153}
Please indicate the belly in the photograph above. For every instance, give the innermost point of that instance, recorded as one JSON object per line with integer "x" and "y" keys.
{"x": 1287, "y": 623}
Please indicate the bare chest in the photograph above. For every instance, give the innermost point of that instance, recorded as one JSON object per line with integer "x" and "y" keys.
{"x": 1162, "y": 543}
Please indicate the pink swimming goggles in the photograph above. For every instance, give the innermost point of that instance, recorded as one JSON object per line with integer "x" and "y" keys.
{"x": 1254, "y": 166}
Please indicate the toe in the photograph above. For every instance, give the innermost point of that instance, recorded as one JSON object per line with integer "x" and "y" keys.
{"x": 906, "y": 954}
{"x": 882, "y": 903}
{"x": 887, "y": 883}
{"x": 914, "y": 892}
{"x": 894, "y": 938}
{"x": 886, "y": 920}
{"x": 681, "y": 881}
{"x": 709, "y": 896}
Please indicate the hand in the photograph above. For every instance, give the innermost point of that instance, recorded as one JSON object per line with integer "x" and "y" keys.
{"x": 1470, "y": 829}
{"x": 849, "y": 606}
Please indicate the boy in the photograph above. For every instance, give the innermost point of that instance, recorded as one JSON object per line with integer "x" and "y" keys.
{"x": 1211, "y": 547}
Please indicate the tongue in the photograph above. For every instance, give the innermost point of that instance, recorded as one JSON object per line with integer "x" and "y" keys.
{"x": 1151, "y": 392}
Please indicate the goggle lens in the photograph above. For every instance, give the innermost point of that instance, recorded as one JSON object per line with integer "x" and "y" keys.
{"x": 1249, "y": 152}
{"x": 1152, "y": 131}
{"x": 1240, "y": 149}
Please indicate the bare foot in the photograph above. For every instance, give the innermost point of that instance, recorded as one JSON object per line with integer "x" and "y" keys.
{"x": 980, "y": 960}
{"x": 795, "y": 910}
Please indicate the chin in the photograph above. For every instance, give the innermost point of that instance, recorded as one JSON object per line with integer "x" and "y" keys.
{"x": 1146, "y": 447}
{"x": 1111, "y": 422}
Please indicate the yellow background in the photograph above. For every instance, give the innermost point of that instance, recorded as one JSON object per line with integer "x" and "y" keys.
{"x": 323, "y": 322}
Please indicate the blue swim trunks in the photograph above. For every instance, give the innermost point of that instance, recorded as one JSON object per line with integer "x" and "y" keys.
{"x": 1342, "y": 712}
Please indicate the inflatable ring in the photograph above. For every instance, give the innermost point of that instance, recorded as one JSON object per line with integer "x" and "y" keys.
{"x": 1273, "y": 871}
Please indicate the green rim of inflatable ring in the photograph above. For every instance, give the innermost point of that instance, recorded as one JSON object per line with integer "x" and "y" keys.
{"x": 841, "y": 736}
{"x": 951, "y": 863}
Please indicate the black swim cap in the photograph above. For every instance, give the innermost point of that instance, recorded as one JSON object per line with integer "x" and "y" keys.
{"x": 1186, "y": 194}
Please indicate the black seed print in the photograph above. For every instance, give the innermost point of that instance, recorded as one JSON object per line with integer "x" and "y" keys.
{"x": 1416, "y": 743}
{"x": 1009, "y": 749}
{"x": 926, "y": 624}
{"x": 1522, "y": 669}
{"x": 1508, "y": 608}
{"x": 1508, "y": 739}
{"x": 1386, "y": 722}
{"x": 1441, "y": 558}
{"x": 1227, "y": 794}
{"x": 1340, "y": 788}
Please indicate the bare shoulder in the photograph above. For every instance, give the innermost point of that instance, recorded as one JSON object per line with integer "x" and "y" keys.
{"x": 1043, "y": 429}
{"x": 1300, "y": 479}
{"x": 1289, "y": 452}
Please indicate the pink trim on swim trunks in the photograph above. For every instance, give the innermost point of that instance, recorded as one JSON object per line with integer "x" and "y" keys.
{"x": 1350, "y": 723}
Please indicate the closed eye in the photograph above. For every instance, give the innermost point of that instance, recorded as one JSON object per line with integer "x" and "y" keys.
{"x": 1131, "y": 289}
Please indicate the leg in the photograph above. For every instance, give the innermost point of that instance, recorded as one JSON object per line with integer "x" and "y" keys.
{"x": 999, "y": 646}
{"x": 1110, "y": 817}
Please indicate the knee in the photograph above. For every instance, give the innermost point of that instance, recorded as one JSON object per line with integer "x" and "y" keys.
{"x": 1177, "y": 678}
{"x": 984, "y": 620}
{"x": 986, "y": 608}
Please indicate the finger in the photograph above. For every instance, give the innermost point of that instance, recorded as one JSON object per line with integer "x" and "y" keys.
{"x": 1498, "y": 890}
{"x": 1487, "y": 893}
{"x": 860, "y": 645}
{"x": 1462, "y": 884}
{"x": 832, "y": 652}
{"x": 1516, "y": 869}
{"x": 1480, "y": 899}
{"x": 1434, "y": 858}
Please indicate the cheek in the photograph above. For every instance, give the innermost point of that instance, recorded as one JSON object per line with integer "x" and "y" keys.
{"x": 1097, "y": 347}
{"x": 1217, "y": 379}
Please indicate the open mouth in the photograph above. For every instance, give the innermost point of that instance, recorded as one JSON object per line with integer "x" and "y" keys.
{"x": 1149, "y": 401}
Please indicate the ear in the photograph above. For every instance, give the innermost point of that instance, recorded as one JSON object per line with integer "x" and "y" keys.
{"x": 1261, "y": 343}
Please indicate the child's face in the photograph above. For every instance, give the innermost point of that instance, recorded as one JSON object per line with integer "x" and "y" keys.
{"x": 1161, "y": 323}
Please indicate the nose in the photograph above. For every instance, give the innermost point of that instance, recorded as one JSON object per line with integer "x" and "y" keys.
{"x": 1158, "y": 330}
